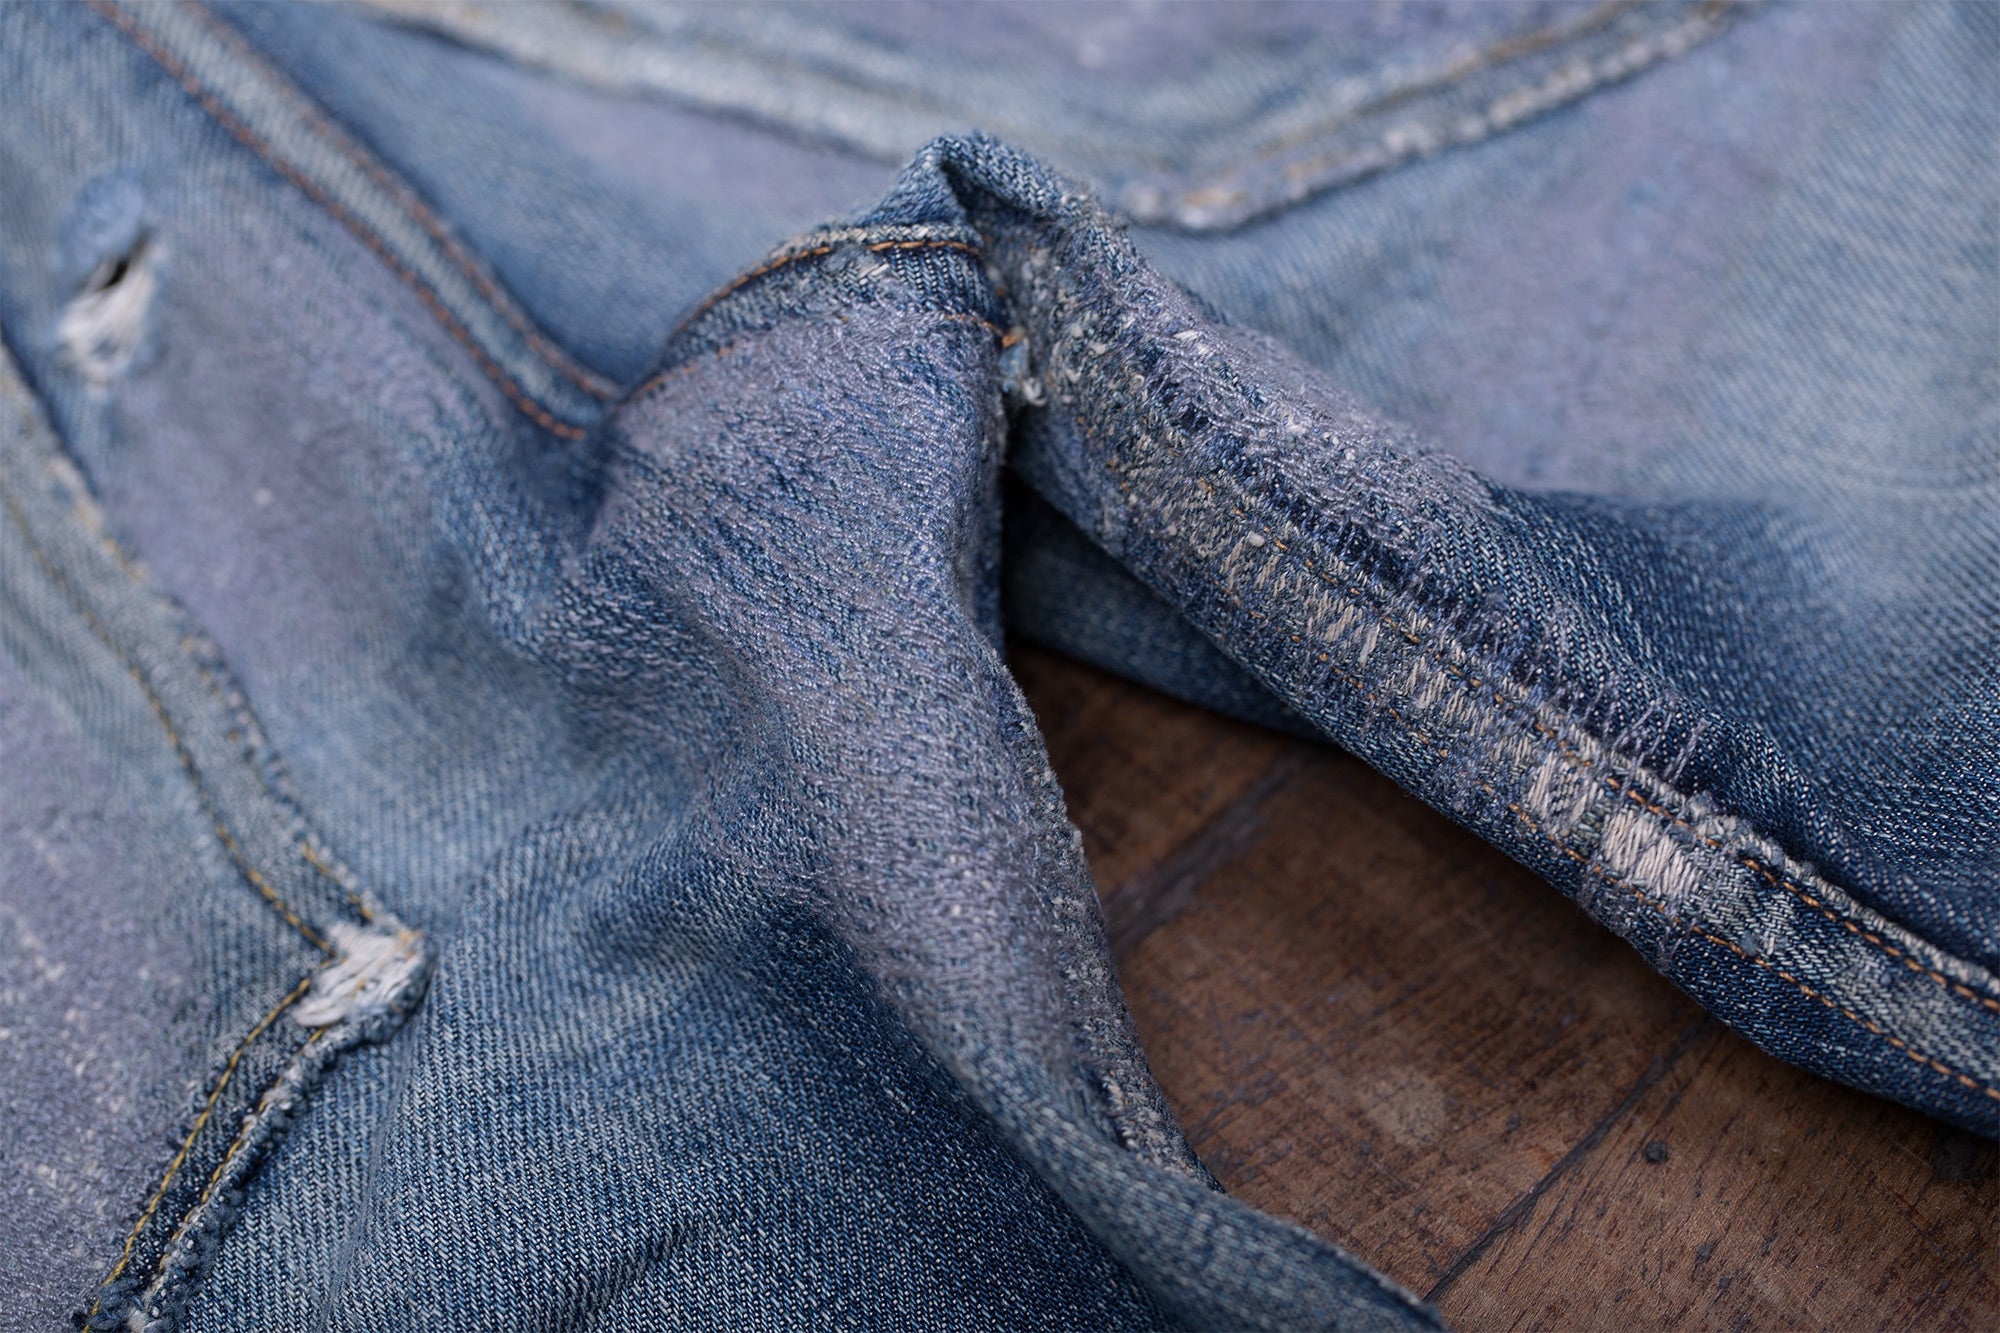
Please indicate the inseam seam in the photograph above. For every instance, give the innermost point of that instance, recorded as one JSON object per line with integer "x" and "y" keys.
{"x": 187, "y": 1144}
{"x": 1626, "y": 883}
{"x": 182, "y": 754}
{"x": 1777, "y": 879}
{"x": 1523, "y": 710}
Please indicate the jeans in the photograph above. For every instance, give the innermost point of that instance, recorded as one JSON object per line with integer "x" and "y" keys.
{"x": 512, "y": 808}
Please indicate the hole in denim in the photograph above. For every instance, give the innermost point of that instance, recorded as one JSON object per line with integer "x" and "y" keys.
{"x": 102, "y": 327}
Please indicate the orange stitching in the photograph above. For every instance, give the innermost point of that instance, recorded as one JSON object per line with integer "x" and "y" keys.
{"x": 217, "y": 693}
{"x": 1520, "y": 707}
{"x": 248, "y": 138}
{"x": 743, "y": 280}
{"x": 1895, "y": 1041}
{"x": 187, "y": 1144}
{"x": 230, "y": 845}
{"x": 1741, "y": 952}
{"x": 501, "y": 303}
{"x": 165, "y": 719}
{"x": 1624, "y": 787}
{"x": 129, "y": 566}
{"x": 724, "y": 349}
{"x": 1845, "y": 923}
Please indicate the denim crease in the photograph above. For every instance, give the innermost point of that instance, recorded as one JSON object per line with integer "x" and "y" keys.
{"x": 521, "y": 714}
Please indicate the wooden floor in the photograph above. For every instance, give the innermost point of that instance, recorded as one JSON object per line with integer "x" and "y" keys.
{"x": 1374, "y": 1024}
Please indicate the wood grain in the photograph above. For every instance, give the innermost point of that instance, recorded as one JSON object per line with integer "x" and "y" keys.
{"x": 1374, "y": 1024}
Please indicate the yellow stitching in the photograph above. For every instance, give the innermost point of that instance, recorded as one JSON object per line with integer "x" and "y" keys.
{"x": 1521, "y": 708}
{"x": 1631, "y": 887}
{"x": 137, "y": 576}
{"x": 242, "y": 1133}
{"x": 1618, "y": 785}
{"x": 312, "y": 859}
{"x": 1745, "y": 954}
{"x": 1623, "y": 786}
{"x": 180, "y": 1158}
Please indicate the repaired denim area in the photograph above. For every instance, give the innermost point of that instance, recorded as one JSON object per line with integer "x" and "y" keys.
{"x": 660, "y": 693}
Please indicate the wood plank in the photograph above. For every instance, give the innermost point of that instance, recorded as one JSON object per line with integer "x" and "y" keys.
{"x": 1373, "y": 1023}
{"x": 1743, "y": 1193}
{"x": 1142, "y": 773}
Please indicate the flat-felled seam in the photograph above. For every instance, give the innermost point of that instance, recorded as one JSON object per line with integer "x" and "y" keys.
{"x": 190, "y": 1249}
{"x": 187, "y": 1145}
{"x": 321, "y": 859}
{"x": 1522, "y": 710}
{"x": 1907, "y": 1049}
{"x": 1736, "y": 831}
{"x": 235, "y": 1147}
{"x": 1732, "y": 847}
{"x": 314, "y": 853}
{"x": 1664, "y": 910}
{"x": 413, "y": 206}
{"x": 1236, "y": 200}
{"x": 1516, "y": 46}
{"x": 1630, "y": 886}
{"x": 1379, "y": 613}
{"x": 223, "y": 833}
{"x": 1751, "y": 863}
{"x": 387, "y": 983}
{"x": 1223, "y": 136}
{"x": 355, "y": 227}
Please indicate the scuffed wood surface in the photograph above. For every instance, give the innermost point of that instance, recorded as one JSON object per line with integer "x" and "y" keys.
{"x": 1376, "y": 1025}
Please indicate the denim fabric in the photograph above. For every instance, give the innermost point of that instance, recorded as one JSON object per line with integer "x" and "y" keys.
{"x": 512, "y": 808}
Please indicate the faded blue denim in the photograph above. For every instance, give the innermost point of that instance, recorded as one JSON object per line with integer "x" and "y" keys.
{"x": 512, "y": 809}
